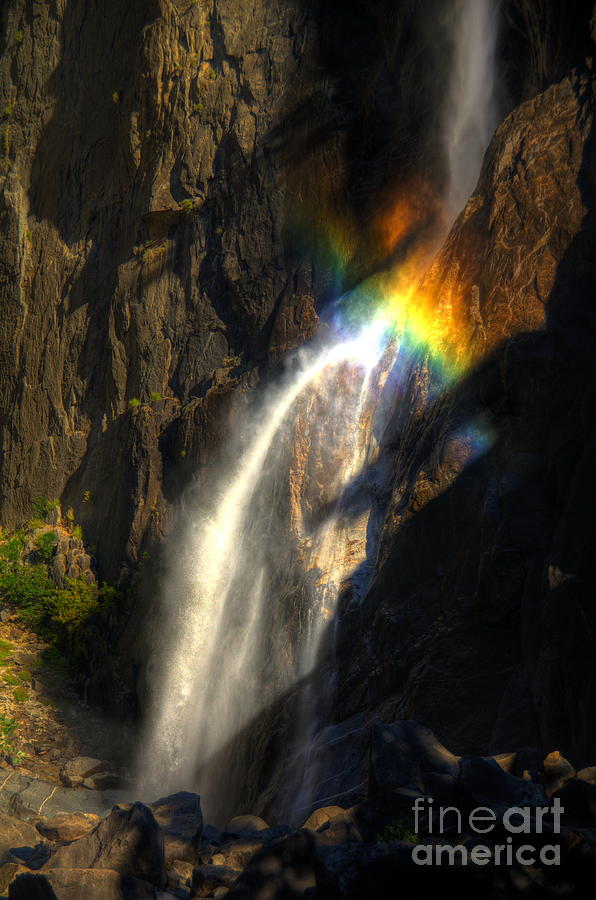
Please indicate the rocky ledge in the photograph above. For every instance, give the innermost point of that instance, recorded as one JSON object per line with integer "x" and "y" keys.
{"x": 431, "y": 821}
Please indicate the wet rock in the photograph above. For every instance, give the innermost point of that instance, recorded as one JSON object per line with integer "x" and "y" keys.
{"x": 67, "y": 826}
{"x": 181, "y": 821}
{"x": 129, "y": 841}
{"x": 206, "y": 879}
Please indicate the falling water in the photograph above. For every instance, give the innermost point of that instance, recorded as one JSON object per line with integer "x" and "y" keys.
{"x": 229, "y": 643}
{"x": 471, "y": 112}
{"x": 218, "y": 604}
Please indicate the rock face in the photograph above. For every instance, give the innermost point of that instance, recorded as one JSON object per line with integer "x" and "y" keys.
{"x": 143, "y": 262}
{"x": 476, "y": 620}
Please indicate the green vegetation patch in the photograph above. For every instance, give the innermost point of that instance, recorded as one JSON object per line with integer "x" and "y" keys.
{"x": 8, "y": 727}
{"x": 46, "y": 545}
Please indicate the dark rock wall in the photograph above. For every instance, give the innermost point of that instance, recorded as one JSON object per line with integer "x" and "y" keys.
{"x": 480, "y": 619}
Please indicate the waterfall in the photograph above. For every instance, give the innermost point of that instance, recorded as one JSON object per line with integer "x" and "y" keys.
{"x": 255, "y": 585}
{"x": 219, "y": 620}
{"x": 471, "y": 111}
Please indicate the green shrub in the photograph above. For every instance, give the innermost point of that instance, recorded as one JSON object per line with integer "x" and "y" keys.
{"x": 78, "y": 532}
{"x": 31, "y": 591}
{"x": 8, "y": 727}
{"x": 46, "y": 545}
{"x": 12, "y": 548}
{"x": 74, "y": 603}
{"x": 42, "y": 506}
{"x": 9, "y": 678}
{"x": 20, "y": 694}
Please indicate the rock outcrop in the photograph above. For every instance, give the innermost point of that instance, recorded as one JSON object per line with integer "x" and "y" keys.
{"x": 477, "y": 618}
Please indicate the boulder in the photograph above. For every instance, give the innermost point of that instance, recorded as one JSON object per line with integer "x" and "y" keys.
{"x": 16, "y": 835}
{"x": 557, "y": 771}
{"x": 104, "y": 781}
{"x": 234, "y": 854}
{"x": 484, "y": 783}
{"x": 74, "y": 772}
{"x": 409, "y": 754}
{"x": 242, "y": 826}
{"x": 181, "y": 821}
{"x": 588, "y": 774}
{"x": 129, "y": 841}
{"x": 206, "y": 879}
{"x": 321, "y": 816}
{"x": 67, "y": 826}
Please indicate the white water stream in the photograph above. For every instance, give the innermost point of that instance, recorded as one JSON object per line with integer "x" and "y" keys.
{"x": 222, "y": 649}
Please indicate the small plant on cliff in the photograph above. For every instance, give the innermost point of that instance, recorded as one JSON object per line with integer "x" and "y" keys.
{"x": 187, "y": 206}
{"x": 42, "y": 506}
{"x": 20, "y": 694}
{"x": 155, "y": 397}
{"x": 8, "y": 727}
{"x": 77, "y": 532}
{"x": 87, "y": 496}
{"x": 134, "y": 403}
{"x": 116, "y": 97}
{"x": 46, "y": 545}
